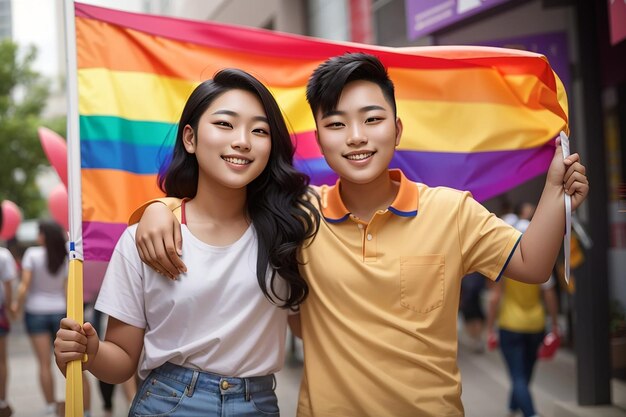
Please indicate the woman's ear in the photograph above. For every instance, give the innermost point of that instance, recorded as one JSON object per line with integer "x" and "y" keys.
{"x": 189, "y": 139}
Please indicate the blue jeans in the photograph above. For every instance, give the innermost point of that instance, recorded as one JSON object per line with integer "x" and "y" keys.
{"x": 37, "y": 323}
{"x": 172, "y": 390}
{"x": 520, "y": 353}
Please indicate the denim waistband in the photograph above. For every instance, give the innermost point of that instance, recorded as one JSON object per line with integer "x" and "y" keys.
{"x": 207, "y": 381}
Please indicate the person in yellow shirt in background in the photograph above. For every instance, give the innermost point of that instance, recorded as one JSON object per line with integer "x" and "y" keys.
{"x": 521, "y": 319}
{"x": 379, "y": 326}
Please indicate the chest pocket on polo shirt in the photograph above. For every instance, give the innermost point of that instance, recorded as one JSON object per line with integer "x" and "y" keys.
{"x": 422, "y": 282}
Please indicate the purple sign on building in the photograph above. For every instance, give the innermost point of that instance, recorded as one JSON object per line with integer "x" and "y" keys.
{"x": 427, "y": 16}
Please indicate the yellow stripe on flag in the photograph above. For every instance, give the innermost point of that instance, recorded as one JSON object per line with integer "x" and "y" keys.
{"x": 468, "y": 127}
{"x": 132, "y": 95}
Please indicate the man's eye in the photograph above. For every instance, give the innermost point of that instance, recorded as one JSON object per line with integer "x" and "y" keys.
{"x": 334, "y": 125}
{"x": 373, "y": 119}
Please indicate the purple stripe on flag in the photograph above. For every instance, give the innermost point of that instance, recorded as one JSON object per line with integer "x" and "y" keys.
{"x": 485, "y": 174}
{"x": 93, "y": 273}
{"x": 99, "y": 239}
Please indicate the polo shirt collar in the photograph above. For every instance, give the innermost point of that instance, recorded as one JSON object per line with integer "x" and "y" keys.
{"x": 405, "y": 204}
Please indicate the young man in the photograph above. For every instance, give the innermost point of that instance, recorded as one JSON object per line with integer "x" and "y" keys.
{"x": 384, "y": 271}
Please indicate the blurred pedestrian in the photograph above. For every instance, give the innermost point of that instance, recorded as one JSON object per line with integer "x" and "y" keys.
{"x": 7, "y": 275}
{"x": 41, "y": 294}
{"x": 472, "y": 286}
{"x": 521, "y": 319}
{"x": 507, "y": 213}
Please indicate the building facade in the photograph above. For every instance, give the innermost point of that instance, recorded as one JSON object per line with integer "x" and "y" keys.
{"x": 6, "y": 25}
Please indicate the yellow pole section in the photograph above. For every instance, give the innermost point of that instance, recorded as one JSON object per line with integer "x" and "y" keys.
{"x": 74, "y": 373}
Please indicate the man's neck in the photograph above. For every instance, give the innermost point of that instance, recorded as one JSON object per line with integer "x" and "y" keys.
{"x": 364, "y": 200}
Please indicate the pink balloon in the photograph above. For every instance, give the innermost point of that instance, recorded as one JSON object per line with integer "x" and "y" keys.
{"x": 57, "y": 205}
{"x": 56, "y": 151}
{"x": 11, "y": 218}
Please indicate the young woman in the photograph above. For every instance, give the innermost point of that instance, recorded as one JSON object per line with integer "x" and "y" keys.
{"x": 41, "y": 294}
{"x": 211, "y": 339}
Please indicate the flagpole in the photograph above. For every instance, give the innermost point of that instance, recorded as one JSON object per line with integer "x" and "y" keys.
{"x": 74, "y": 382}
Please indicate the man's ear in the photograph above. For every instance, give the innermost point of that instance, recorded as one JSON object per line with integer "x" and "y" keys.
{"x": 398, "y": 130}
{"x": 189, "y": 139}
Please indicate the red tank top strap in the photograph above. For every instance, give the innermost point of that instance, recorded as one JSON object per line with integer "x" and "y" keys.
{"x": 183, "y": 216}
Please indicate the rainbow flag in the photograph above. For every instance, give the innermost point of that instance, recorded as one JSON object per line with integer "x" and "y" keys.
{"x": 475, "y": 118}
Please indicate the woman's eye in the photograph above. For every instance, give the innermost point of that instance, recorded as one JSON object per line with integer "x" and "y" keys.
{"x": 261, "y": 131}
{"x": 223, "y": 123}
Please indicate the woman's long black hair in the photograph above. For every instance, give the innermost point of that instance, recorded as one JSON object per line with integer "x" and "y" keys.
{"x": 54, "y": 242}
{"x": 278, "y": 200}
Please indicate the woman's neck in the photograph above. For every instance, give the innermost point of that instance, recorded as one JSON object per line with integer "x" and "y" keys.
{"x": 363, "y": 200}
{"x": 217, "y": 215}
{"x": 218, "y": 203}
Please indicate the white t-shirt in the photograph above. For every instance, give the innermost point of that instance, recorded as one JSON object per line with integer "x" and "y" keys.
{"x": 213, "y": 318}
{"x": 46, "y": 294}
{"x": 7, "y": 270}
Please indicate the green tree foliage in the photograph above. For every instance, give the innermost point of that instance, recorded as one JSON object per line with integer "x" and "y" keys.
{"x": 23, "y": 95}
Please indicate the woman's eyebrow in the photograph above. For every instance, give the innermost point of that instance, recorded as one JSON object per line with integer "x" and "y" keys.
{"x": 235, "y": 114}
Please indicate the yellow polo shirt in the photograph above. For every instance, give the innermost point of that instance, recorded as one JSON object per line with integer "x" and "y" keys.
{"x": 379, "y": 325}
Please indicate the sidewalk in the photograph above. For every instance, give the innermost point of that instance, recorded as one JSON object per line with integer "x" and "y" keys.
{"x": 485, "y": 385}
{"x": 24, "y": 394}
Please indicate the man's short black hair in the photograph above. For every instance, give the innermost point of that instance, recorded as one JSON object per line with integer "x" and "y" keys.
{"x": 329, "y": 79}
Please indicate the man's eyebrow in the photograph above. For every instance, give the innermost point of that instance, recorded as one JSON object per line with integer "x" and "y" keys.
{"x": 369, "y": 108}
{"x": 364, "y": 109}
{"x": 333, "y": 113}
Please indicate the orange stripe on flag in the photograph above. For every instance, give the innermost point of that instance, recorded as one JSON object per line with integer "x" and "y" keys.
{"x": 111, "y": 196}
